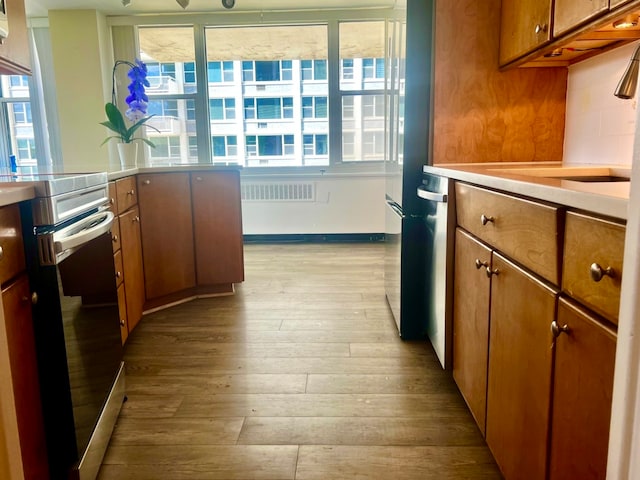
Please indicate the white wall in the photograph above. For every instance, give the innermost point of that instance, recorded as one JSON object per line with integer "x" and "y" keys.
{"x": 343, "y": 204}
{"x": 599, "y": 127}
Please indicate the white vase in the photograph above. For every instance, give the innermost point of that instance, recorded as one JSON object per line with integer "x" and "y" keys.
{"x": 128, "y": 153}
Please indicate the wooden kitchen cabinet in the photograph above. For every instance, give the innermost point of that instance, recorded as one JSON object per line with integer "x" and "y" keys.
{"x": 127, "y": 249}
{"x": 592, "y": 263}
{"x": 14, "y": 50}
{"x": 167, "y": 233}
{"x": 471, "y": 322}
{"x": 526, "y": 231}
{"x": 21, "y": 348}
{"x": 524, "y": 27}
{"x": 520, "y": 370}
{"x": 217, "y": 224}
{"x": 582, "y": 393}
{"x": 134, "y": 289}
{"x": 570, "y": 14}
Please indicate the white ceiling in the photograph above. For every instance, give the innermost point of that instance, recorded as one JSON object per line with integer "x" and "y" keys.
{"x": 39, "y": 8}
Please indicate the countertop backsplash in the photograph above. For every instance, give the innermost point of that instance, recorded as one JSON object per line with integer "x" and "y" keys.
{"x": 599, "y": 127}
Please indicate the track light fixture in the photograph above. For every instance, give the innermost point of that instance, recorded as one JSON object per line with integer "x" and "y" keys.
{"x": 183, "y": 3}
{"x": 228, "y": 3}
{"x": 126, "y": 3}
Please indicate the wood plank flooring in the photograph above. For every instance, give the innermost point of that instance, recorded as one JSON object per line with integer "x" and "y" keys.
{"x": 300, "y": 375}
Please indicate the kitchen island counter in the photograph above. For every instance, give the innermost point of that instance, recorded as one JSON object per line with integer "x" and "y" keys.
{"x": 608, "y": 198}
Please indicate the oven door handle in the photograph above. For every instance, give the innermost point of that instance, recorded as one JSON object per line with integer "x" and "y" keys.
{"x": 82, "y": 232}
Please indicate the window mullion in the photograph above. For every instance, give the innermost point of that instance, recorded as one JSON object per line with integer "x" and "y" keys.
{"x": 335, "y": 99}
{"x": 203, "y": 125}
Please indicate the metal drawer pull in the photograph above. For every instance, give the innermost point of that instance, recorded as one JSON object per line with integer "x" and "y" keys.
{"x": 541, "y": 28}
{"x": 597, "y": 272}
{"x": 147, "y": 182}
{"x": 1, "y": 253}
{"x": 114, "y": 238}
{"x": 484, "y": 219}
{"x": 556, "y": 329}
{"x": 122, "y": 323}
{"x": 131, "y": 192}
{"x": 118, "y": 274}
{"x": 136, "y": 218}
{"x": 480, "y": 264}
{"x": 492, "y": 272}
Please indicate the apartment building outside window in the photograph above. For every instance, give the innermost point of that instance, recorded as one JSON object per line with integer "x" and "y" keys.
{"x": 264, "y": 110}
{"x": 16, "y": 119}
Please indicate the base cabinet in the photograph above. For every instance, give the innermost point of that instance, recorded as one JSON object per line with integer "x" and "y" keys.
{"x": 520, "y": 369}
{"x": 191, "y": 234}
{"x": 131, "y": 245}
{"x": 583, "y": 388}
{"x": 471, "y": 323}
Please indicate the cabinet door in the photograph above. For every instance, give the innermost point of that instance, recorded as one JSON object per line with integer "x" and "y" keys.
{"x": 167, "y": 233}
{"x": 471, "y": 323}
{"x": 217, "y": 218}
{"x": 520, "y": 368}
{"x": 130, "y": 241}
{"x": 524, "y": 27}
{"x": 582, "y": 391}
{"x": 569, "y": 14}
{"x": 16, "y": 302}
{"x": 14, "y": 51}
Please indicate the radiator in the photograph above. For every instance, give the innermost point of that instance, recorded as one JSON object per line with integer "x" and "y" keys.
{"x": 279, "y": 192}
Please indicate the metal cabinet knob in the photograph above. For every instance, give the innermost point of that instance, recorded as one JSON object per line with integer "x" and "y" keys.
{"x": 118, "y": 274}
{"x": 541, "y": 28}
{"x": 131, "y": 192}
{"x": 1, "y": 253}
{"x": 486, "y": 219}
{"x": 480, "y": 264}
{"x": 557, "y": 330}
{"x": 199, "y": 179}
{"x": 34, "y": 298}
{"x": 597, "y": 272}
{"x": 491, "y": 272}
{"x": 112, "y": 201}
{"x": 136, "y": 218}
{"x": 147, "y": 182}
{"x": 122, "y": 323}
{"x": 114, "y": 238}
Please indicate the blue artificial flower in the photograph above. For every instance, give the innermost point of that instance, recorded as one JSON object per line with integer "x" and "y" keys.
{"x": 137, "y": 98}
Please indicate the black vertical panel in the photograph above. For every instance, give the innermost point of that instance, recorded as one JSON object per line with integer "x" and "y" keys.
{"x": 417, "y": 114}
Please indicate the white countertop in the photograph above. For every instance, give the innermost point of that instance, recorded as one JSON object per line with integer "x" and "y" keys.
{"x": 605, "y": 198}
{"x": 15, "y": 193}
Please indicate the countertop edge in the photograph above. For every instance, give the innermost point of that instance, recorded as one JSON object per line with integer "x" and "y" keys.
{"x": 115, "y": 175}
{"x": 15, "y": 194}
{"x": 601, "y": 204}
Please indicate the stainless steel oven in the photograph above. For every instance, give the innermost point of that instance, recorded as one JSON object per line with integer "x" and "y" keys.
{"x": 76, "y": 321}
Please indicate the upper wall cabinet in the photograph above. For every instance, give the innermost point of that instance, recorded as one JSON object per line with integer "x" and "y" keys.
{"x": 525, "y": 26}
{"x": 568, "y": 14}
{"x": 580, "y": 29}
{"x": 14, "y": 50}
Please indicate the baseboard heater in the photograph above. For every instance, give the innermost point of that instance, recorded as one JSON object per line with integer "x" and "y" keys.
{"x": 279, "y": 192}
{"x": 316, "y": 238}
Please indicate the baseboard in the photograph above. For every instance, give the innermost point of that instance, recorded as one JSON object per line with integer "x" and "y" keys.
{"x": 316, "y": 238}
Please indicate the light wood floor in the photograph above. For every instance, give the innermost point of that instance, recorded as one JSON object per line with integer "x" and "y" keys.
{"x": 300, "y": 375}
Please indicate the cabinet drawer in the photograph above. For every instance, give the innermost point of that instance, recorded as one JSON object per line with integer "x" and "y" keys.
{"x": 117, "y": 260}
{"x": 526, "y": 231}
{"x": 113, "y": 198}
{"x": 126, "y": 193}
{"x": 592, "y": 266}
{"x": 11, "y": 248}
{"x": 115, "y": 234}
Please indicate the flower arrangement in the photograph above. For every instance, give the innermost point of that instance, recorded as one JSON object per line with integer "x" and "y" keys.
{"x": 136, "y": 100}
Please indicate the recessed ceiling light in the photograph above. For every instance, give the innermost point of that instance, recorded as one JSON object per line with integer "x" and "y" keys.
{"x": 629, "y": 21}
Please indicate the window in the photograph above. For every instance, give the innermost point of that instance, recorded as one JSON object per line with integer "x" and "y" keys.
{"x": 16, "y": 109}
{"x": 268, "y": 108}
{"x": 373, "y": 68}
{"x": 219, "y": 72}
{"x": 314, "y": 69}
{"x": 315, "y": 145}
{"x": 224, "y": 146}
{"x": 285, "y": 118}
{"x": 270, "y": 145}
{"x": 222, "y": 108}
{"x": 166, "y": 148}
{"x": 314, "y": 107}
